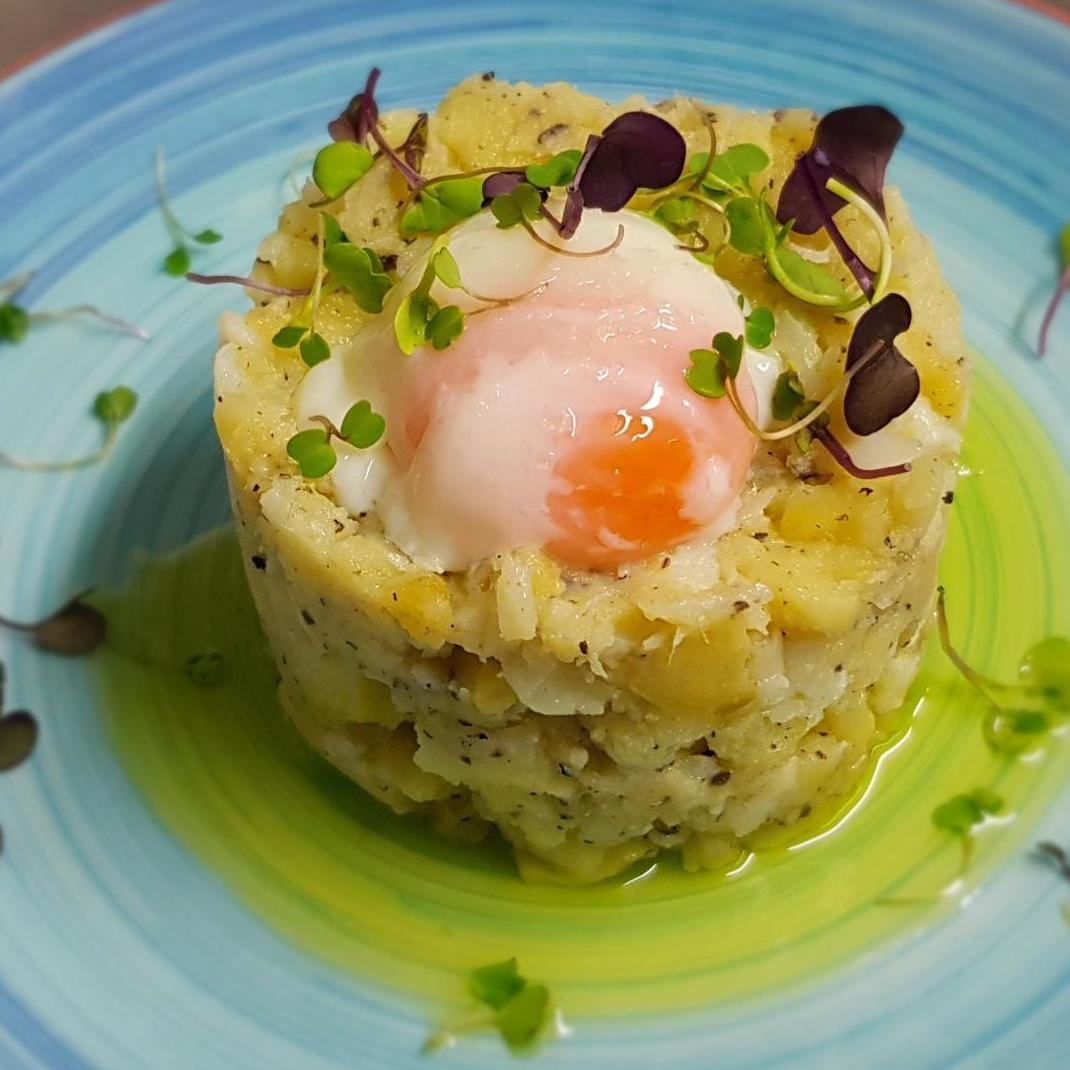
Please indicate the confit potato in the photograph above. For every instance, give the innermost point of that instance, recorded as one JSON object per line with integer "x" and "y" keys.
{"x": 691, "y": 701}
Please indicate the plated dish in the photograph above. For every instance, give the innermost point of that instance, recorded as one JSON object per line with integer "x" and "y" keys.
{"x": 558, "y": 570}
{"x": 174, "y": 804}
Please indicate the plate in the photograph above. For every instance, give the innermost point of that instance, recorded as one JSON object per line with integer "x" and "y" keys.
{"x": 183, "y": 887}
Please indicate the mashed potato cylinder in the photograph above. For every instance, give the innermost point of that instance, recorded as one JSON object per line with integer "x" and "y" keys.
{"x": 734, "y": 683}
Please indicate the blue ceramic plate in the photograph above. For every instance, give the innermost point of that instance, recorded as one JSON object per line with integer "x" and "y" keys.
{"x": 125, "y": 943}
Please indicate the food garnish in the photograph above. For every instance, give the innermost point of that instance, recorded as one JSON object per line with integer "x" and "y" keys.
{"x": 518, "y": 1009}
{"x": 16, "y": 320}
{"x": 964, "y": 813}
{"x": 112, "y": 408}
{"x": 311, "y": 449}
{"x": 1018, "y": 714}
{"x": 1060, "y": 290}
{"x": 177, "y": 261}
{"x": 75, "y": 629}
{"x": 1057, "y": 856}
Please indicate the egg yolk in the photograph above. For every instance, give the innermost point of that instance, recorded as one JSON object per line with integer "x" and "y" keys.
{"x": 624, "y": 494}
{"x": 561, "y": 419}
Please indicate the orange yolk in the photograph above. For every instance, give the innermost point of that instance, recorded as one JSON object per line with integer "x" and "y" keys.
{"x": 625, "y": 492}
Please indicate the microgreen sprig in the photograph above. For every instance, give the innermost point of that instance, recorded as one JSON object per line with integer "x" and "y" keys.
{"x": 1060, "y": 291}
{"x": 16, "y": 320}
{"x": 518, "y": 1009}
{"x": 962, "y": 814}
{"x": 18, "y": 732}
{"x": 177, "y": 261}
{"x": 1018, "y": 714}
{"x": 75, "y": 629}
{"x": 112, "y": 408}
{"x": 311, "y": 449}
{"x": 419, "y": 318}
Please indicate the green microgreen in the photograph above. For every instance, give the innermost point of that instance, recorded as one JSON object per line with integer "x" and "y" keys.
{"x": 962, "y": 814}
{"x": 443, "y": 205}
{"x": 520, "y": 1010}
{"x": 1060, "y": 290}
{"x": 16, "y": 321}
{"x": 1016, "y": 716}
{"x": 289, "y": 337}
{"x": 313, "y": 452}
{"x": 512, "y": 209}
{"x": 713, "y": 369}
{"x": 362, "y": 426}
{"x": 558, "y": 171}
{"x": 339, "y": 166}
{"x": 314, "y": 349}
{"x": 311, "y": 449}
{"x": 788, "y": 396}
{"x": 419, "y": 318}
{"x": 75, "y": 629}
{"x": 760, "y": 326}
{"x": 358, "y": 271}
{"x": 112, "y": 408}
{"x": 177, "y": 262}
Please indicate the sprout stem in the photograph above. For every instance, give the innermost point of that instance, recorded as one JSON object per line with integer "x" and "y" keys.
{"x": 174, "y": 227}
{"x": 980, "y": 682}
{"x": 11, "y": 288}
{"x": 20, "y": 463}
{"x": 884, "y": 269}
{"x": 572, "y": 252}
{"x": 1049, "y": 312}
{"x": 91, "y": 312}
{"x": 246, "y": 281}
{"x": 845, "y": 461}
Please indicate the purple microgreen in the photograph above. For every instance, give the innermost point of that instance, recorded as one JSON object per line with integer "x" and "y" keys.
{"x": 1060, "y": 291}
{"x": 18, "y": 732}
{"x": 248, "y": 282}
{"x": 112, "y": 408}
{"x": 414, "y": 148}
{"x": 760, "y": 326}
{"x": 314, "y": 349}
{"x": 1057, "y": 856}
{"x": 889, "y": 384}
{"x": 501, "y": 184}
{"x": 177, "y": 262}
{"x": 362, "y": 427}
{"x": 359, "y": 115}
{"x": 839, "y": 454}
{"x": 360, "y": 272}
{"x": 846, "y": 163}
{"x": 852, "y": 145}
{"x": 75, "y": 629}
{"x": 339, "y": 166}
{"x": 638, "y": 150}
{"x": 312, "y": 451}
{"x": 557, "y": 171}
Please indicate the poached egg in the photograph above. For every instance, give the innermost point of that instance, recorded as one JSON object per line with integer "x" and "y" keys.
{"x": 560, "y": 418}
